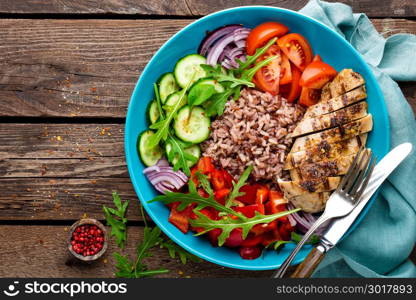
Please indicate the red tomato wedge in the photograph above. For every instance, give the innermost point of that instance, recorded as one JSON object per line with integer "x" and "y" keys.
{"x": 261, "y": 34}
{"x": 268, "y": 77}
{"x": 291, "y": 91}
{"x": 297, "y": 49}
{"x": 317, "y": 57}
{"x": 317, "y": 74}
{"x": 309, "y": 96}
{"x": 285, "y": 71}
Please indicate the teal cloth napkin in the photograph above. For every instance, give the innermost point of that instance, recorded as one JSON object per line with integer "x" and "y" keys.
{"x": 381, "y": 244}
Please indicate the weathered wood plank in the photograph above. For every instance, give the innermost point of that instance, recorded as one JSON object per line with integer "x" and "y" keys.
{"x": 88, "y": 68}
{"x": 385, "y": 8}
{"x": 39, "y": 251}
{"x": 69, "y": 141}
{"x": 125, "y": 7}
{"x": 63, "y": 198}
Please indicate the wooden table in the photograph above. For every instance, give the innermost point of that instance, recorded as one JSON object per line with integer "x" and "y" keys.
{"x": 67, "y": 70}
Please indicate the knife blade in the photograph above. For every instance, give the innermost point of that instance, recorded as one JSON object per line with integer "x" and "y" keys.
{"x": 336, "y": 230}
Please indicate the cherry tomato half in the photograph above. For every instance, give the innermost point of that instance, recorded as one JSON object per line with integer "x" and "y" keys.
{"x": 268, "y": 77}
{"x": 309, "y": 96}
{"x": 291, "y": 91}
{"x": 317, "y": 74}
{"x": 285, "y": 71}
{"x": 297, "y": 49}
{"x": 261, "y": 34}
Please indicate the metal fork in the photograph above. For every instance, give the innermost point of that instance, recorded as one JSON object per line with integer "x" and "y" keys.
{"x": 342, "y": 201}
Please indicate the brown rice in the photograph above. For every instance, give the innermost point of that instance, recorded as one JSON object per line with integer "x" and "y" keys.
{"x": 254, "y": 130}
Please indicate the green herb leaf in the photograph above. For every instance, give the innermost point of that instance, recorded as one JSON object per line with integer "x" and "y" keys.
{"x": 252, "y": 59}
{"x": 312, "y": 240}
{"x": 229, "y": 224}
{"x": 249, "y": 73}
{"x": 216, "y": 104}
{"x": 158, "y": 102}
{"x": 199, "y": 94}
{"x": 174, "y": 249}
{"x": 162, "y": 127}
{"x": 177, "y": 155}
{"x": 117, "y": 220}
{"x": 237, "y": 186}
{"x": 218, "y": 74}
{"x": 204, "y": 182}
{"x": 193, "y": 197}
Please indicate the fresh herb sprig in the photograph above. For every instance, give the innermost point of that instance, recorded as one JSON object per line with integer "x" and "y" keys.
{"x": 177, "y": 155}
{"x": 204, "y": 182}
{"x": 295, "y": 238}
{"x": 162, "y": 127}
{"x": 233, "y": 80}
{"x": 117, "y": 220}
{"x": 227, "y": 224}
{"x": 237, "y": 186}
{"x": 152, "y": 237}
{"x": 193, "y": 197}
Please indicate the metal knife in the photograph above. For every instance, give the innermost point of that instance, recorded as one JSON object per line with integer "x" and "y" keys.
{"x": 337, "y": 228}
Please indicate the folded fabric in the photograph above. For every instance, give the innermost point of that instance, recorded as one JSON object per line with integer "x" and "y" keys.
{"x": 382, "y": 243}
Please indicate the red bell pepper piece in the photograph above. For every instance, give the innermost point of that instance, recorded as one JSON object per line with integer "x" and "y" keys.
{"x": 249, "y": 196}
{"x": 228, "y": 179}
{"x": 180, "y": 218}
{"x": 263, "y": 228}
{"x": 262, "y": 195}
{"x": 248, "y": 210}
{"x": 205, "y": 165}
{"x": 221, "y": 194}
{"x": 250, "y": 252}
{"x": 213, "y": 236}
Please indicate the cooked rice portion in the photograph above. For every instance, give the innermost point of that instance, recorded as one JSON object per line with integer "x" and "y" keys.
{"x": 253, "y": 130}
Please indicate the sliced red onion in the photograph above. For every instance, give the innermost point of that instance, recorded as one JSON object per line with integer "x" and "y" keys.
{"x": 240, "y": 43}
{"x": 164, "y": 178}
{"x": 228, "y": 44}
{"x": 215, "y": 35}
{"x": 304, "y": 220}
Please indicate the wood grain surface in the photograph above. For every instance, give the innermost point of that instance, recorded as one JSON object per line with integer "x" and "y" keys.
{"x": 382, "y": 8}
{"x": 25, "y": 256}
{"x": 88, "y": 68}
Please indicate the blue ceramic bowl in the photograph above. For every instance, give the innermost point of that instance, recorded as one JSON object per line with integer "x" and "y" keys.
{"x": 330, "y": 46}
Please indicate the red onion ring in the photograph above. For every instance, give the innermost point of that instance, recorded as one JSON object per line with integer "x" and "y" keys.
{"x": 215, "y": 35}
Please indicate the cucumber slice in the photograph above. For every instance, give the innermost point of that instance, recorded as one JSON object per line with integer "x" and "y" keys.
{"x": 167, "y": 86}
{"x": 193, "y": 128}
{"x": 172, "y": 100}
{"x": 186, "y": 67}
{"x": 194, "y": 150}
{"x": 208, "y": 81}
{"x": 153, "y": 112}
{"x": 148, "y": 155}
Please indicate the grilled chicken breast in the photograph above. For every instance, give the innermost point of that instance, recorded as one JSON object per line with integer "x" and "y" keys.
{"x": 326, "y": 168}
{"x": 333, "y": 104}
{"x": 312, "y": 202}
{"x": 333, "y": 135}
{"x": 324, "y": 151}
{"x": 296, "y": 188}
{"x": 345, "y": 81}
{"x": 336, "y": 118}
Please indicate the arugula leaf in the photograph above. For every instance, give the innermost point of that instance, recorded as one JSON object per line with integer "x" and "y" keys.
{"x": 194, "y": 197}
{"x": 162, "y": 127}
{"x": 199, "y": 94}
{"x": 249, "y": 73}
{"x": 174, "y": 249}
{"x": 216, "y": 104}
{"x": 228, "y": 224}
{"x": 128, "y": 269}
{"x": 178, "y": 152}
{"x": 218, "y": 74}
{"x": 117, "y": 220}
{"x": 312, "y": 240}
{"x": 252, "y": 59}
{"x": 158, "y": 102}
{"x": 204, "y": 182}
{"x": 237, "y": 186}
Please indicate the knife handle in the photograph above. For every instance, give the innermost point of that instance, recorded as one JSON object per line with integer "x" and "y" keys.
{"x": 308, "y": 266}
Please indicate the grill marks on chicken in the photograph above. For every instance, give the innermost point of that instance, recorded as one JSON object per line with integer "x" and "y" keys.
{"x": 328, "y": 138}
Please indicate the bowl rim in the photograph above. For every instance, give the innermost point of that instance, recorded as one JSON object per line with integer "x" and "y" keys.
{"x": 129, "y": 120}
